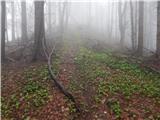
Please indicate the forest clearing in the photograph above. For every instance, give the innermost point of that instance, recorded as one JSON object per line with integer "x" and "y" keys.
{"x": 69, "y": 72}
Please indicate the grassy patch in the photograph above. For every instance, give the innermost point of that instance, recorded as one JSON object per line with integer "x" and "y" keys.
{"x": 34, "y": 73}
{"x": 101, "y": 90}
{"x": 33, "y": 95}
{"x": 7, "y": 106}
{"x": 114, "y": 105}
{"x": 124, "y": 84}
{"x": 41, "y": 72}
{"x": 129, "y": 85}
{"x": 89, "y": 71}
{"x": 122, "y": 76}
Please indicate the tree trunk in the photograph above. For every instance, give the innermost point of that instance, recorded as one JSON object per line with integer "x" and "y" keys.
{"x": 49, "y": 17}
{"x": 132, "y": 26}
{"x": 122, "y": 28}
{"x": 136, "y": 24}
{"x": 120, "y": 23}
{"x": 111, "y": 21}
{"x": 158, "y": 30}
{"x": 38, "y": 30}
{"x": 62, "y": 8}
{"x": 13, "y": 21}
{"x": 24, "y": 22}
{"x": 140, "y": 28}
{"x": 3, "y": 22}
{"x": 67, "y": 15}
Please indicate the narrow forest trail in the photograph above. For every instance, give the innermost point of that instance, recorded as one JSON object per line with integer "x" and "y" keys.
{"x": 67, "y": 65}
{"x": 58, "y": 108}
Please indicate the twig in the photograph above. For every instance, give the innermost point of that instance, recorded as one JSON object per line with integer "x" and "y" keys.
{"x": 11, "y": 59}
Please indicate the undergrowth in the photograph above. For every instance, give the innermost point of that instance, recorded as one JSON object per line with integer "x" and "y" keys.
{"x": 107, "y": 75}
{"x": 122, "y": 76}
{"x": 33, "y": 95}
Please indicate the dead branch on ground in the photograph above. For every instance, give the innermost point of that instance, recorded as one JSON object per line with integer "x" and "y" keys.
{"x": 58, "y": 85}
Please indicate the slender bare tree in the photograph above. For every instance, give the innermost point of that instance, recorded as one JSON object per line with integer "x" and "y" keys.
{"x": 62, "y": 9}
{"x": 140, "y": 28}
{"x": 111, "y": 20}
{"x": 24, "y": 21}
{"x": 158, "y": 29}
{"x": 122, "y": 22}
{"x": 13, "y": 20}
{"x": 67, "y": 14}
{"x": 136, "y": 23}
{"x": 49, "y": 16}
{"x": 132, "y": 26}
{"x": 3, "y": 23}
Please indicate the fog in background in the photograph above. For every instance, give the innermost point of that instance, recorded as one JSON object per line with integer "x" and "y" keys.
{"x": 94, "y": 20}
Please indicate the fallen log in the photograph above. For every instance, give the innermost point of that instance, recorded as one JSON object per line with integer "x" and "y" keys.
{"x": 53, "y": 77}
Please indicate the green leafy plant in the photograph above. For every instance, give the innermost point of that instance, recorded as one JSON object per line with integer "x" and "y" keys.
{"x": 35, "y": 93}
{"x": 114, "y": 105}
{"x": 101, "y": 91}
{"x": 4, "y": 107}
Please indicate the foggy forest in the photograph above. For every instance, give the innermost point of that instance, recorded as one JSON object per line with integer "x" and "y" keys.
{"x": 80, "y": 59}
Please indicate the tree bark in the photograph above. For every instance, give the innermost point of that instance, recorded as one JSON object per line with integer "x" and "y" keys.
{"x": 38, "y": 30}
{"x": 67, "y": 15}
{"x": 111, "y": 20}
{"x": 122, "y": 28}
{"x": 24, "y": 22}
{"x": 3, "y": 22}
{"x": 132, "y": 26}
{"x": 140, "y": 28}
{"x": 136, "y": 23}
{"x": 13, "y": 21}
{"x": 62, "y": 9}
{"x": 158, "y": 30}
{"x": 49, "y": 17}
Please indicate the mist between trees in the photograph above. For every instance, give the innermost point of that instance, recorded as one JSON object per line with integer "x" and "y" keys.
{"x": 123, "y": 24}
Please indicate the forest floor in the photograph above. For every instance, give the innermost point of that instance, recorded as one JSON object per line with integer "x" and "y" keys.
{"x": 105, "y": 87}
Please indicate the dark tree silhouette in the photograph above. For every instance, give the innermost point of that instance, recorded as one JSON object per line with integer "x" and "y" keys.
{"x": 158, "y": 30}
{"x": 13, "y": 21}
{"x": 24, "y": 21}
{"x": 38, "y": 30}
{"x": 122, "y": 28}
{"x": 3, "y": 23}
{"x": 140, "y": 28}
{"x": 132, "y": 26}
